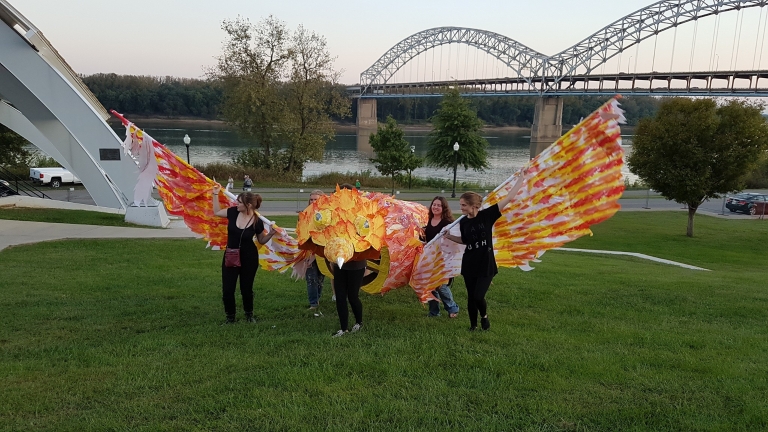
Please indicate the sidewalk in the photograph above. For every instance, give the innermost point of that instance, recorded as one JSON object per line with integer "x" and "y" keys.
{"x": 22, "y": 232}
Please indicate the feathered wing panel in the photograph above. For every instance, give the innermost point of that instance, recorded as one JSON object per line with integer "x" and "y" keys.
{"x": 574, "y": 183}
{"x": 187, "y": 193}
{"x": 404, "y": 221}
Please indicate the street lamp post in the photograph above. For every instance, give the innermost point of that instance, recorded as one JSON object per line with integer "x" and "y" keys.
{"x": 455, "y": 165}
{"x": 187, "y": 140}
{"x": 413, "y": 152}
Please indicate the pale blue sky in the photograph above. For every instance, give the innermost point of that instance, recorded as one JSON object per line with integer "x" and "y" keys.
{"x": 180, "y": 38}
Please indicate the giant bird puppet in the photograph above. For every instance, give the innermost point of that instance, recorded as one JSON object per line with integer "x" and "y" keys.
{"x": 573, "y": 184}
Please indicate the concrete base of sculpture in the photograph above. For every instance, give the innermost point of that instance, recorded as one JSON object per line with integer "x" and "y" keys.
{"x": 150, "y": 216}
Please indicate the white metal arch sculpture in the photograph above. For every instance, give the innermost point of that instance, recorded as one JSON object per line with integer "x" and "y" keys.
{"x": 588, "y": 54}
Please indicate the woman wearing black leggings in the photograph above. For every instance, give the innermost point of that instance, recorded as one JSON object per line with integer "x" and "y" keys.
{"x": 347, "y": 282}
{"x": 243, "y": 225}
{"x": 478, "y": 265}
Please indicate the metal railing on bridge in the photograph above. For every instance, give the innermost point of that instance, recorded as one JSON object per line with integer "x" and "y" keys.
{"x": 732, "y": 83}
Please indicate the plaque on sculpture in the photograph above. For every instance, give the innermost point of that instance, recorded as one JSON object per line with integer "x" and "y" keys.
{"x": 109, "y": 154}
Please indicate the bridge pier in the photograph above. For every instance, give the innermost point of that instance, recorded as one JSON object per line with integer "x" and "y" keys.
{"x": 547, "y": 123}
{"x": 366, "y": 113}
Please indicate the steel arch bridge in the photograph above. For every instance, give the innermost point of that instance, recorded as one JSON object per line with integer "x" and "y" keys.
{"x": 542, "y": 74}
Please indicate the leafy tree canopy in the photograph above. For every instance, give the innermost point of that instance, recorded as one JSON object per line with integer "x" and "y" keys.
{"x": 695, "y": 150}
{"x": 456, "y": 122}
{"x": 393, "y": 152}
{"x": 12, "y": 151}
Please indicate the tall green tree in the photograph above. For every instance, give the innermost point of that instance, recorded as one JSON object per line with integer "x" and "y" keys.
{"x": 312, "y": 98}
{"x": 411, "y": 163}
{"x": 392, "y": 149}
{"x": 251, "y": 68}
{"x": 456, "y": 122}
{"x": 12, "y": 151}
{"x": 280, "y": 91}
{"x": 695, "y": 150}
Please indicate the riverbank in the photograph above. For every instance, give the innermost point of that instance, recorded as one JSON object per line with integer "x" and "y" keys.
{"x": 192, "y": 122}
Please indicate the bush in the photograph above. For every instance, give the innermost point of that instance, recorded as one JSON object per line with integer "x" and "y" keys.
{"x": 758, "y": 179}
{"x": 222, "y": 171}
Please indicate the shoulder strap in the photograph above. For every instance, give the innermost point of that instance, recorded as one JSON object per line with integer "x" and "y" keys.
{"x": 246, "y": 227}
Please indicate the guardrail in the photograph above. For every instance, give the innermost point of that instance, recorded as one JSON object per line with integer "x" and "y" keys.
{"x": 21, "y": 185}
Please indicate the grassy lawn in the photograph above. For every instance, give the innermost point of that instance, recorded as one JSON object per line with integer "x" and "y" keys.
{"x": 125, "y": 335}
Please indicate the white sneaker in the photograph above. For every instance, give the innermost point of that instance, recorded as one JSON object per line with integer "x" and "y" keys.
{"x": 333, "y": 298}
{"x": 339, "y": 333}
{"x": 356, "y": 327}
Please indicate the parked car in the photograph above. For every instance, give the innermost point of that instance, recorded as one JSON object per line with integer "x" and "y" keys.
{"x": 749, "y": 203}
{"x": 6, "y": 189}
{"x": 53, "y": 176}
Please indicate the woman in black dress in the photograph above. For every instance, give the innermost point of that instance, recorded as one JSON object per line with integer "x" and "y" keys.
{"x": 244, "y": 224}
{"x": 478, "y": 265}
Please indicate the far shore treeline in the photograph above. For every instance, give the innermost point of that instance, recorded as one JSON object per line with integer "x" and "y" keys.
{"x": 173, "y": 97}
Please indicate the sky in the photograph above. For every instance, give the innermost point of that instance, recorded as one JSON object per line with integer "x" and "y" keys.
{"x": 183, "y": 37}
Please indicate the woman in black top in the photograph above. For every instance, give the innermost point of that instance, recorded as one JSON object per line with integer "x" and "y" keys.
{"x": 478, "y": 265}
{"x": 440, "y": 216}
{"x": 244, "y": 224}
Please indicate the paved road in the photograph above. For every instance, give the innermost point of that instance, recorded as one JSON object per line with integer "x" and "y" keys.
{"x": 288, "y": 201}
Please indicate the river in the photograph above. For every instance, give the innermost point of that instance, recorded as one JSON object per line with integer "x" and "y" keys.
{"x": 350, "y": 151}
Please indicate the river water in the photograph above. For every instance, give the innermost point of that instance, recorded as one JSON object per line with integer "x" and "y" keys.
{"x": 350, "y": 151}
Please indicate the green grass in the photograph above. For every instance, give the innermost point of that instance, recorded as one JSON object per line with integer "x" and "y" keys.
{"x": 125, "y": 335}
{"x": 82, "y": 217}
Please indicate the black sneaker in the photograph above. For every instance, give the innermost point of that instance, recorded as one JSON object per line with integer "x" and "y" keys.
{"x": 250, "y": 319}
{"x": 485, "y": 323}
{"x": 473, "y": 328}
{"x": 228, "y": 321}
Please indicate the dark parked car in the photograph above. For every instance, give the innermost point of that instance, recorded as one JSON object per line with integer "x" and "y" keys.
{"x": 6, "y": 189}
{"x": 749, "y": 203}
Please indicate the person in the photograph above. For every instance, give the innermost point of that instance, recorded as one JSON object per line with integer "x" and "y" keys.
{"x": 347, "y": 281}
{"x": 478, "y": 265}
{"x": 440, "y": 216}
{"x": 357, "y": 184}
{"x": 243, "y": 225}
{"x": 247, "y": 183}
{"x": 230, "y": 183}
{"x": 313, "y": 275}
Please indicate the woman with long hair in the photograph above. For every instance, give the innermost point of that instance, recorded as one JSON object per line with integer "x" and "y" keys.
{"x": 478, "y": 265}
{"x": 244, "y": 224}
{"x": 440, "y": 216}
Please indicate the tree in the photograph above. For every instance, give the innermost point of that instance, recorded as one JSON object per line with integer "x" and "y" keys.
{"x": 695, "y": 150}
{"x": 456, "y": 122}
{"x": 251, "y": 68}
{"x": 411, "y": 163}
{"x": 392, "y": 149}
{"x": 280, "y": 91}
{"x": 12, "y": 151}
{"x": 312, "y": 98}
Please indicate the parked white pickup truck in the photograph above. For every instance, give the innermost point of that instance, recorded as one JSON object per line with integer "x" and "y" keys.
{"x": 53, "y": 176}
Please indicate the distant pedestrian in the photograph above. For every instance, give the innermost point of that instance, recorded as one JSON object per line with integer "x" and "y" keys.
{"x": 247, "y": 183}
{"x": 357, "y": 184}
{"x": 230, "y": 183}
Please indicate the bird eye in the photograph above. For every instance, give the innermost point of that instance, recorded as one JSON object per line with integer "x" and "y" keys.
{"x": 322, "y": 218}
{"x": 362, "y": 225}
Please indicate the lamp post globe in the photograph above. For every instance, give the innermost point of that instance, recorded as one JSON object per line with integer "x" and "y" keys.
{"x": 455, "y": 165}
{"x": 187, "y": 140}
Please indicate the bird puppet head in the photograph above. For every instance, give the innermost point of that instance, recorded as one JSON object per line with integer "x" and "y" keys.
{"x": 343, "y": 227}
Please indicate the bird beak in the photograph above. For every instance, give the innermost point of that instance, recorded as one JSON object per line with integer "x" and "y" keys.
{"x": 339, "y": 262}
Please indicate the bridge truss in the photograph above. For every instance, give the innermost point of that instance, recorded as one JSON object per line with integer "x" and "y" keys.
{"x": 572, "y": 70}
